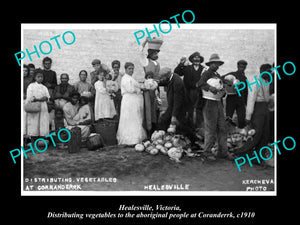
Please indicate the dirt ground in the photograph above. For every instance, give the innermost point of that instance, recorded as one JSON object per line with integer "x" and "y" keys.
{"x": 135, "y": 171}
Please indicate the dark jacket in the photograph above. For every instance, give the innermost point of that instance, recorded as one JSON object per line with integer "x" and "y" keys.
{"x": 176, "y": 98}
{"x": 49, "y": 76}
{"x": 242, "y": 78}
{"x": 59, "y": 93}
{"x": 209, "y": 73}
{"x": 176, "y": 107}
{"x": 191, "y": 76}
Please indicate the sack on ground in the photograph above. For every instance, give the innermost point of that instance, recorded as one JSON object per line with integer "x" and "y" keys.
{"x": 94, "y": 141}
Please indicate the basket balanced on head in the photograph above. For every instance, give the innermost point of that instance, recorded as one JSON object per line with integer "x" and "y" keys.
{"x": 155, "y": 43}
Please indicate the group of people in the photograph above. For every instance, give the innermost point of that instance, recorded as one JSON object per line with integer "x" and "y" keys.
{"x": 116, "y": 95}
{"x": 64, "y": 105}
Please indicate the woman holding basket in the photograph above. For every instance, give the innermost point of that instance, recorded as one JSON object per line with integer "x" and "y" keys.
{"x": 37, "y": 117}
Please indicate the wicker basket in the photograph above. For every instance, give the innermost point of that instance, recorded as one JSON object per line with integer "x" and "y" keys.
{"x": 94, "y": 141}
{"x": 107, "y": 128}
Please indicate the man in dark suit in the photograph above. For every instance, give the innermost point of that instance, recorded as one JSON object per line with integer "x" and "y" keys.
{"x": 191, "y": 75}
{"x": 176, "y": 110}
{"x": 234, "y": 102}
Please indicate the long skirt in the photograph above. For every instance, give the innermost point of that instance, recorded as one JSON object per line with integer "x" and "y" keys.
{"x": 104, "y": 106}
{"x": 37, "y": 124}
{"x": 130, "y": 130}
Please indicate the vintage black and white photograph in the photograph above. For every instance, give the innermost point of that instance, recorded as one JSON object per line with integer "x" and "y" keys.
{"x": 118, "y": 109}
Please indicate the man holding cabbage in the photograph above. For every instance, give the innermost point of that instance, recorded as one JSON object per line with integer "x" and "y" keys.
{"x": 213, "y": 91}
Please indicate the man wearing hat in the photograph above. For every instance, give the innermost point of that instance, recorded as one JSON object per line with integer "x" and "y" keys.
{"x": 176, "y": 110}
{"x": 191, "y": 75}
{"x": 234, "y": 102}
{"x": 151, "y": 66}
{"x": 214, "y": 120}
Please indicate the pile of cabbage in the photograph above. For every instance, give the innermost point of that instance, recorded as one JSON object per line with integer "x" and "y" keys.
{"x": 150, "y": 84}
{"x": 232, "y": 79}
{"x": 175, "y": 146}
{"x": 166, "y": 143}
{"x": 216, "y": 83}
{"x": 237, "y": 139}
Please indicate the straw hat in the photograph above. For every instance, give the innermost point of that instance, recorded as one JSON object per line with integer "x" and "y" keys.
{"x": 214, "y": 58}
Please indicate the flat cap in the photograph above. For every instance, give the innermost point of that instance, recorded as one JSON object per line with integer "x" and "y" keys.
{"x": 242, "y": 61}
{"x": 96, "y": 61}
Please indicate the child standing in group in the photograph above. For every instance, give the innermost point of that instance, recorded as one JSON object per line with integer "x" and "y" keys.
{"x": 57, "y": 124}
{"x": 104, "y": 104}
{"x": 97, "y": 65}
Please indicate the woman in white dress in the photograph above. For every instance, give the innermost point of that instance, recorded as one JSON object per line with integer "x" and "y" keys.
{"x": 104, "y": 104}
{"x": 130, "y": 130}
{"x": 37, "y": 123}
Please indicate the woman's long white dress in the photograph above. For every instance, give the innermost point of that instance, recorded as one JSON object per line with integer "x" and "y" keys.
{"x": 37, "y": 124}
{"x": 130, "y": 130}
{"x": 104, "y": 105}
